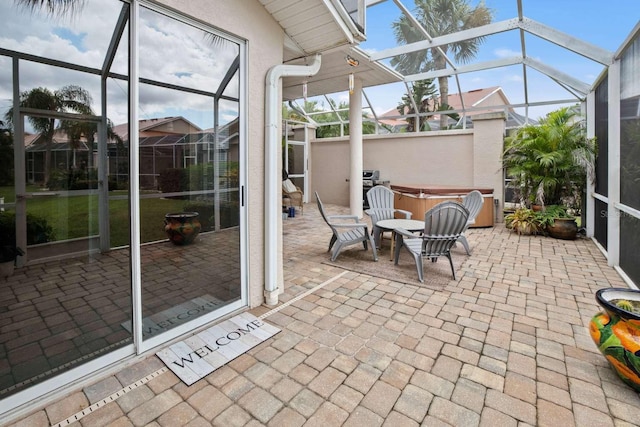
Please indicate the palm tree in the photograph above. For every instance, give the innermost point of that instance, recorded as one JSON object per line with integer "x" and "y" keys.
{"x": 439, "y": 18}
{"x": 69, "y": 98}
{"x": 76, "y": 131}
{"x": 6, "y": 155}
{"x": 550, "y": 161}
{"x": 53, "y": 7}
{"x": 424, "y": 96}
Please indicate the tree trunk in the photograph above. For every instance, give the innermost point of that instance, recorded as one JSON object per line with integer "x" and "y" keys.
{"x": 47, "y": 154}
{"x": 443, "y": 85}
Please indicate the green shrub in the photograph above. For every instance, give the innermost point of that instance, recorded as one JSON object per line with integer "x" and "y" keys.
{"x": 73, "y": 179}
{"x": 548, "y": 215}
{"x": 6, "y": 157}
{"x": 205, "y": 209}
{"x": 172, "y": 180}
{"x": 38, "y": 229}
{"x": 118, "y": 185}
{"x": 196, "y": 177}
{"x": 229, "y": 213}
{"x": 523, "y": 221}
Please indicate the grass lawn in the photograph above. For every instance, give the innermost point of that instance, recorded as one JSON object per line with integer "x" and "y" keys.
{"x": 77, "y": 216}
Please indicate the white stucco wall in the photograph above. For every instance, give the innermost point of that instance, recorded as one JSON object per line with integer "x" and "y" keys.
{"x": 487, "y": 155}
{"x": 248, "y": 20}
{"x": 465, "y": 158}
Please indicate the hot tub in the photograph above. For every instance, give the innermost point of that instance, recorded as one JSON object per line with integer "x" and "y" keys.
{"x": 418, "y": 198}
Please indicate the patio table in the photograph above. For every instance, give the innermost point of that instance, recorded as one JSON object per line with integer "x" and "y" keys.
{"x": 392, "y": 224}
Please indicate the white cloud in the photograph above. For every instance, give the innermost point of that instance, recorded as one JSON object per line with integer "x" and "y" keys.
{"x": 171, "y": 52}
{"x": 506, "y": 53}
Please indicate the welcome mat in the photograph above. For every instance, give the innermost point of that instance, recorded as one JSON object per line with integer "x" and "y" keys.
{"x": 199, "y": 355}
{"x": 174, "y": 316}
{"x": 437, "y": 275}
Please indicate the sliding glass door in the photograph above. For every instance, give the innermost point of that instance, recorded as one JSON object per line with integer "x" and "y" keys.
{"x": 121, "y": 176}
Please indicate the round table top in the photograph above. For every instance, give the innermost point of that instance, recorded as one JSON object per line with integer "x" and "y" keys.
{"x": 407, "y": 224}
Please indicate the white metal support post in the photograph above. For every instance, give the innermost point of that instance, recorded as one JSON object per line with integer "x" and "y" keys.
{"x": 134, "y": 180}
{"x": 19, "y": 165}
{"x": 613, "y": 212}
{"x": 355, "y": 148}
{"x": 591, "y": 188}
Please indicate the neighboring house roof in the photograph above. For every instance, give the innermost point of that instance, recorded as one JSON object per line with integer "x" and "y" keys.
{"x": 387, "y": 118}
{"x": 148, "y": 127}
{"x": 479, "y": 98}
{"x": 29, "y": 138}
{"x": 160, "y": 131}
{"x": 156, "y": 126}
{"x": 488, "y": 97}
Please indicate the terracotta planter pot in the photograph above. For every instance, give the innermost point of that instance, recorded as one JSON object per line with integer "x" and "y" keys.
{"x": 182, "y": 227}
{"x": 616, "y": 332}
{"x": 563, "y": 228}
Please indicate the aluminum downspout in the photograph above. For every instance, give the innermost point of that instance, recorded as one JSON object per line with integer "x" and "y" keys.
{"x": 272, "y": 204}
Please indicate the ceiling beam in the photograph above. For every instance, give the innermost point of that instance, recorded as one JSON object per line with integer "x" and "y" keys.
{"x": 558, "y": 76}
{"x": 480, "y": 66}
{"x": 545, "y": 32}
{"x": 568, "y": 42}
{"x": 485, "y": 30}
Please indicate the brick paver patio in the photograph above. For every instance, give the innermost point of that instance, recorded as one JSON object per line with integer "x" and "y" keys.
{"x": 507, "y": 344}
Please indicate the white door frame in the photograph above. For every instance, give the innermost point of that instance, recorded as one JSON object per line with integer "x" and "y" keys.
{"x": 305, "y": 147}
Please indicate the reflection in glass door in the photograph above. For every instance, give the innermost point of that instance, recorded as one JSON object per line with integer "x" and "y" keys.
{"x": 70, "y": 297}
{"x": 189, "y": 174}
{"x": 296, "y": 156}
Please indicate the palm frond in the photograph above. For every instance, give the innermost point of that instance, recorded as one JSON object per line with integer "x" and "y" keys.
{"x": 53, "y": 7}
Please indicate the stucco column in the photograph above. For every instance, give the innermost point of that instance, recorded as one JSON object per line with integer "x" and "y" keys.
{"x": 355, "y": 148}
{"x": 488, "y": 137}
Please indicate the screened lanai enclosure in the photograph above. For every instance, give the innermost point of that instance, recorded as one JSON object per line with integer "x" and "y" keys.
{"x": 552, "y": 68}
{"x": 116, "y": 113}
{"x": 101, "y": 147}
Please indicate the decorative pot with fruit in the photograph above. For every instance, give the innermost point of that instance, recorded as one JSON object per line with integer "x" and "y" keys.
{"x": 616, "y": 332}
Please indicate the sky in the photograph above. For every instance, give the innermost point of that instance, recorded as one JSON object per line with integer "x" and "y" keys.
{"x": 171, "y": 52}
{"x": 606, "y": 27}
{"x": 176, "y": 54}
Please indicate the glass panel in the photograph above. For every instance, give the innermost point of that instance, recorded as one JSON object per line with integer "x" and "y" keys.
{"x": 191, "y": 58}
{"x": 78, "y": 35}
{"x": 79, "y": 298}
{"x": 602, "y": 137}
{"x": 629, "y": 238}
{"x": 118, "y": 163}
{"x": 296, "y": 159}
{"x": 600, "y": 232}
{"x": 189, "y": 169}
{"x": 356, "y": 10}
{"x": 630, "y": 126}
{"x": 68, "y": 299}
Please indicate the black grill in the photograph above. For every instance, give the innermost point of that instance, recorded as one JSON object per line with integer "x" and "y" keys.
{"x": 370, "y": 178}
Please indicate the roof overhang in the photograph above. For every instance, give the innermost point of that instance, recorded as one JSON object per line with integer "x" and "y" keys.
{"x": 334, "y": 74}
{"x": 313, "y": 26}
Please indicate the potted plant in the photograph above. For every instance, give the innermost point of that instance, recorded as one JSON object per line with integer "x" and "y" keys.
{"x": 523, "y": 221}
{"x": 557, "y": 222}
{"x": 8, "y": 255}
{"x": 182, "y": 228}
{"x": 616, "y": 332}
{"x": 549, "y": 162}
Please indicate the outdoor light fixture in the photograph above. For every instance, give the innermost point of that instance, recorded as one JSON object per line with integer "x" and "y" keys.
{"x": 351, "y": 61}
